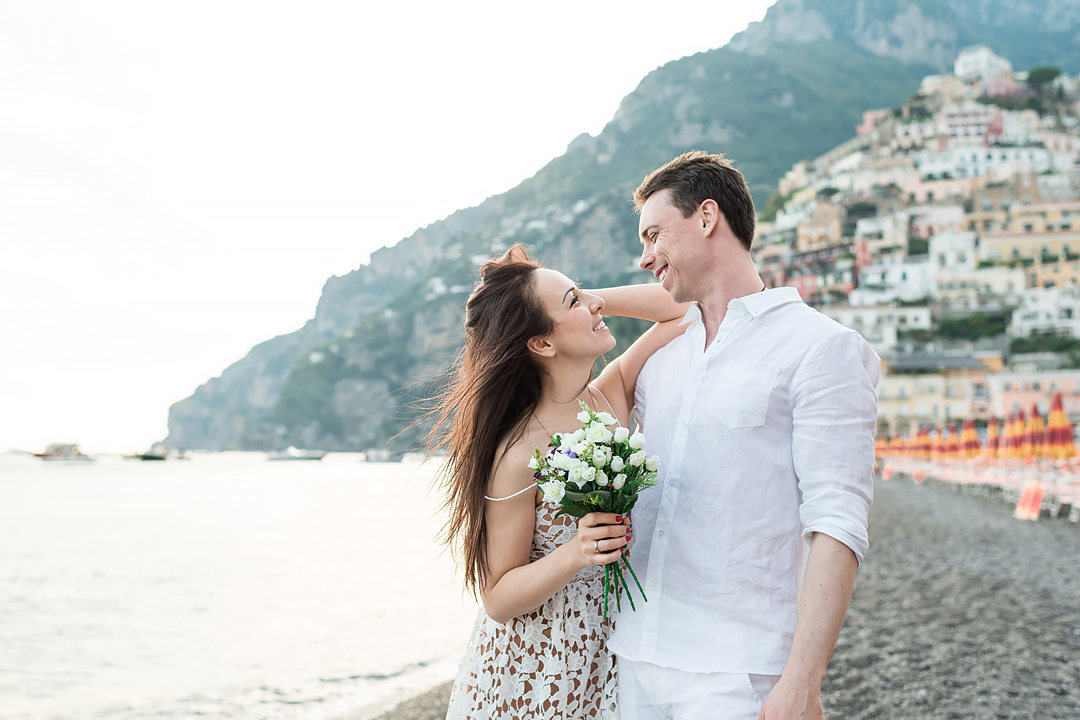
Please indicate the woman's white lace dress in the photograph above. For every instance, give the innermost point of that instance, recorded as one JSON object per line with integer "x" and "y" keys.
{"x": 552, "y": 663}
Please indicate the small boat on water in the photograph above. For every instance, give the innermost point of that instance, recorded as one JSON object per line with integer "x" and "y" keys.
{"x": 63, "y": 452}
{"x": 291, "y": 453}
{"x": 156, "y": 452}
{"x": 383, "y": 455}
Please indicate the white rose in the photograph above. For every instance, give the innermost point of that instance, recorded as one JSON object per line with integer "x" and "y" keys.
{"x": 574, "y": 475}
{"x": 606, "y": 418}
{"x": 653, "y": 464}
{"x": 533, "y": 464}
{"x": 578, "y": 448}
{"x": 588, "y": 474}
{"x": 583, "y": 416}
{"x": 637, "y": 458}
{"x": 601, "y": 456}
{"x": 597, "y": 434}
{"x": 619, "y": 481}
{"x": 553, "y": 492}
{"x": 559, "y": 461}
{"x": 578, "y": 435}
{"x": 621, "y": 434}
{"x": 637, "y": 441}
{"x": 601, "y": 478}
{"x": 617, "y": 464}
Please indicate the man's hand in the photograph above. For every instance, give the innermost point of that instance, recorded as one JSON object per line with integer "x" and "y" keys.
{"x": 792, "y": 700}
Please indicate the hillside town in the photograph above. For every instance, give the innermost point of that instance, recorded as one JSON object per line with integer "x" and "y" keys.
{"x": 947, "y": 232}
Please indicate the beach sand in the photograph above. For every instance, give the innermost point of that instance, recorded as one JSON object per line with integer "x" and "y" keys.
{"x": 959, "y": 611}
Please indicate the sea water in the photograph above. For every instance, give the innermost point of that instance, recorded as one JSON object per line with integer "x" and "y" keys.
{"x": 225, "y": 586}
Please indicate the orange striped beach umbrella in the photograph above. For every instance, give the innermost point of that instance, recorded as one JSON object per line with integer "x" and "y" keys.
{"x": 952, "y": 445}
{"x": 1036, "y": 431}
{"x": 993, "y": 437}
{"x": 1059, "y": 432}
{"x": 1008, "y": 439}
{"x": 1021, "y": 441}
{"x": 937, "y": 448}
{"x": 969, "y": 440}
{"x": 926, "y": 443}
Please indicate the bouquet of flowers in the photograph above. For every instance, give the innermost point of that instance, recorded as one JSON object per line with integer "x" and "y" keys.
{"x": 597, "y": 469}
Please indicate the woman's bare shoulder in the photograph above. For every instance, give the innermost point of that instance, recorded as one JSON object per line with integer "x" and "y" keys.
{"x": 511, "y": 472}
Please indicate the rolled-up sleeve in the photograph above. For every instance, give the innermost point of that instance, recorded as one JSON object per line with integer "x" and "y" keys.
{"x": 834, "y": 399}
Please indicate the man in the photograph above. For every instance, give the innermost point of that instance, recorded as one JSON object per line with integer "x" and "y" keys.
{"x": 763, "y": 415}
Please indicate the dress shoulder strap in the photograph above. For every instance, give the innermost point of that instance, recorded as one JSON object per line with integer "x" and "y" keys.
{"x": 519, "y": 492}
{"x": 606, "y": 401}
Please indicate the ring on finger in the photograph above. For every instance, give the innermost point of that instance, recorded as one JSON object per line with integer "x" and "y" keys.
{"x": 596, "y": 544}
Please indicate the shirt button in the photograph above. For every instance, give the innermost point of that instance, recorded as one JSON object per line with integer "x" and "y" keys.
{"x": 661, "y": 533}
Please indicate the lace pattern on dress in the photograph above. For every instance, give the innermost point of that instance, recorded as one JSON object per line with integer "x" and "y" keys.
{"x": 550, "y": 664}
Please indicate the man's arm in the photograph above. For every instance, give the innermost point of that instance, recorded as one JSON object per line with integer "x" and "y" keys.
{"x": 823, "y": 602}
{"x": 834, "y": 414}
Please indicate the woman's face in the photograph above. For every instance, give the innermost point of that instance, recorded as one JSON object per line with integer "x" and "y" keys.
{"x": 578, "y": 330}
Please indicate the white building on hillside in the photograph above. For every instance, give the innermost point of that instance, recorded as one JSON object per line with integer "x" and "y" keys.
{"x": 1047, "y": 311}
{"x": 980, "y": 63}
{"x": 880, "y": 324}
{"x": 954, "y": 252}
{"x": 1000, "y": 162}
{"x": 912, "y": 280}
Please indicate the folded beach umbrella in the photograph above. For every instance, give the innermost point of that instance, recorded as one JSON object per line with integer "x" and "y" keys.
{"x": 993, "y": 437}
{"x": 952, "y": 445}
{"x": 1059, "y": 432}
{"x": 1008, "y": 437}
{"x": 969, "y": 440}
{"x": 881, "y": 446}
{"x": 926, "y": 444}
{"x": 1036, "y": 431}
{"x": 938, "y": 449}
{"x": 1021, "y": 441}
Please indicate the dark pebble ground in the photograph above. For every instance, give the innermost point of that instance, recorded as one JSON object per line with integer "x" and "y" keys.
{"x": 959, "y": 611}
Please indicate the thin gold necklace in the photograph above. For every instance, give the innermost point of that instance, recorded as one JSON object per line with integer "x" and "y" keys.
{"x": 543, "y": 426}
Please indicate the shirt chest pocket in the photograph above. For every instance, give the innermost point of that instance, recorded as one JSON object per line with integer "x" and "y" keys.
{"x": 739, "y": 396}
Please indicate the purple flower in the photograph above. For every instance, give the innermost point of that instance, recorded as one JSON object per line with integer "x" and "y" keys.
{"x": 537, "y": 475}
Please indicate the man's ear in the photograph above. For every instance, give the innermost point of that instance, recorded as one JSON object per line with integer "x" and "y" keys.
{"x": 539, "y": 345}
{"x": 710, "y": 216}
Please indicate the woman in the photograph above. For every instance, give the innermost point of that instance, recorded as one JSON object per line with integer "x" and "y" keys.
{"x": 531, "y": 338}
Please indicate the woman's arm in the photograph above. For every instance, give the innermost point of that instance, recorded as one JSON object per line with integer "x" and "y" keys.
{"x": 515, "y": 586}
{"x": 648, "y": 301}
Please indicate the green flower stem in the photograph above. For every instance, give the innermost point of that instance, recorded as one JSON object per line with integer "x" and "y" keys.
{"x": 619, "y": 576}
{"x": 617, "y": 588}
{"x": 636, "y": 581}
{"x": 607, "y": 573}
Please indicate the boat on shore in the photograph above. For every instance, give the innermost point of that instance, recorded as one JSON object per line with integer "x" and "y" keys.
{"x": 292, "y": 453}
{"x": 63, "y": 452}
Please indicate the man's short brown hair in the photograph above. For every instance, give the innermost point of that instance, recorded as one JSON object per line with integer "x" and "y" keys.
{"x": 697, "y": 176}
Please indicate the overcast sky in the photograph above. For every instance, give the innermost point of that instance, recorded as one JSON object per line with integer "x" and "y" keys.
{"x": 177, "y": 180}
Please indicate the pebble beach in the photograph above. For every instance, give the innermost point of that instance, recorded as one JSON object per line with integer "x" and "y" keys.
{"x": 959, "y": 611}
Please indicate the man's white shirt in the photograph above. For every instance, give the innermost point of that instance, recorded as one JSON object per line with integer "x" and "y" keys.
{"x": 764, "y": 438}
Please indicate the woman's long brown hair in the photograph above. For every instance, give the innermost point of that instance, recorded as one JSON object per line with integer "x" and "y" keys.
{"x": 494, "y": 386}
